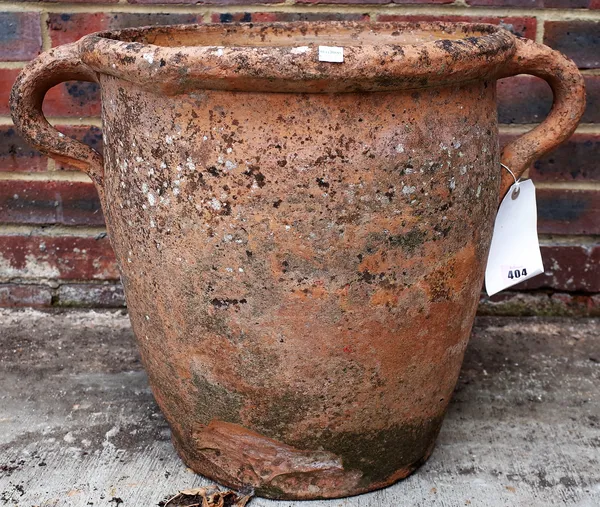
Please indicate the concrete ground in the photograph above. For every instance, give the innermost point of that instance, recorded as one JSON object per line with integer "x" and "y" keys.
{"x": 79, "y": 427}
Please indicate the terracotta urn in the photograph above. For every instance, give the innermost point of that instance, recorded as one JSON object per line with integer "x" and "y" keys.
{"x": 302, "y": 242}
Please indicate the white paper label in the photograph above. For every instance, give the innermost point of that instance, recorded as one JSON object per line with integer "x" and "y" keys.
{"x": 515, "y": 252}
{"x": 331, "y": 54}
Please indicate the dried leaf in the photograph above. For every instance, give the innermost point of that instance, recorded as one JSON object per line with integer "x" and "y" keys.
{"x": 193, "y": 492}
{"x": 243, "y": 501}
{"x": 210, "y": 497}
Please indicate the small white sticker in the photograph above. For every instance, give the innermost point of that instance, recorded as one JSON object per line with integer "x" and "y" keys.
{"x": 515, "y": 251}
{"x": 331, "y": 54}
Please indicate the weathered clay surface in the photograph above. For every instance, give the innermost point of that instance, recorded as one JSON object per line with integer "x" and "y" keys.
{"x": 301, "y": 268}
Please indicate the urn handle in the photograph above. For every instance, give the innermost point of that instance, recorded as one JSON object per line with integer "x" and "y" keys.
{"x": 568, "y": 88}
{"x": 47, "y": 70}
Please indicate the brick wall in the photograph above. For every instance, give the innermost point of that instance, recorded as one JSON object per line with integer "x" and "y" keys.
{"x": 53, "y": 246}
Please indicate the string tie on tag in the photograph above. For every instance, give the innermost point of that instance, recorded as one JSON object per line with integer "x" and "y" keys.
{"x": 516, "y": 191}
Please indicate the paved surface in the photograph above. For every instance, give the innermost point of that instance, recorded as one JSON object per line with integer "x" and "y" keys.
{"x": 79, "y": 427}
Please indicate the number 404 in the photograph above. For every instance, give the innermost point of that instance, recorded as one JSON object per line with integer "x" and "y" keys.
{"x": 517, "y": 273}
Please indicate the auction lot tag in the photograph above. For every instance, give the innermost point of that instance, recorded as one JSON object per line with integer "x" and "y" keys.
{"x": 331, "y": 54}
{"x": 515, "y": 252}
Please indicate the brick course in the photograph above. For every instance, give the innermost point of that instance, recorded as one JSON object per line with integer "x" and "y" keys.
{"x": 579, "y": 40}
{"x": 76, "y": 267}
{"x": 20, "y": 35}
{"x": 61, "y": 258}
{"x": 16, "y": 155}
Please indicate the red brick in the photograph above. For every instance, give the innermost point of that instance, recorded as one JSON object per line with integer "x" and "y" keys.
{"x": 69, "y": 27}
{"x": 73, "y": 99}
{"x": 356, "y": 2}
{"x": 421, "y": 1}
{"x": 7, "y": 78}
{"x": 74, "y": 1}
{"x": 577, "y": 159}
{"x": 205, "y": 2}
{"x": 579, "y": 40}
{"x": 17, "y": 155}
{"x": 91, "y": 295}
{"x": 21, "y": 295}
{"x": 264, "y": 17}
{"x": 521, "y": 26}
{"x": 526, "y": 4}
{"x": 49, "y": 202}
{"x": 568, "y": 211}
{"x": 567, "y": 268}
{"x": 20, "y": 36}
{"x": 367, "y": 2}
{"x": 567, "y": 4}
{"x": 535, "y": 4}
{"x": 528, "y": 99}
{"x": 61, "y": 257}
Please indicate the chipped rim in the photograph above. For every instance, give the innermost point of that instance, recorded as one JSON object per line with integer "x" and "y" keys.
{"x": 459, "y": 52}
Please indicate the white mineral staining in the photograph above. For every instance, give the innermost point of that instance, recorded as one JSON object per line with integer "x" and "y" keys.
{"x": 163, "y": 165}
{"x": 190, "y": 164}
{"x": 151, "y": 199}
{"x": 299, "y": 50}
{"x": 149, "y": 57}
{"x": 215, "y": 204}
{"x": 168, "y": 140}
{"x": 452, "y": 184}
{"x": 145, "y": 188}
{"x": 400, "y": 148}
{"x": 406, "y": 190}
{"x": 229, "y": 165}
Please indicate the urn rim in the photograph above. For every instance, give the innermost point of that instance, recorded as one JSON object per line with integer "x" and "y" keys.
{"x": 283, "y": 57}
